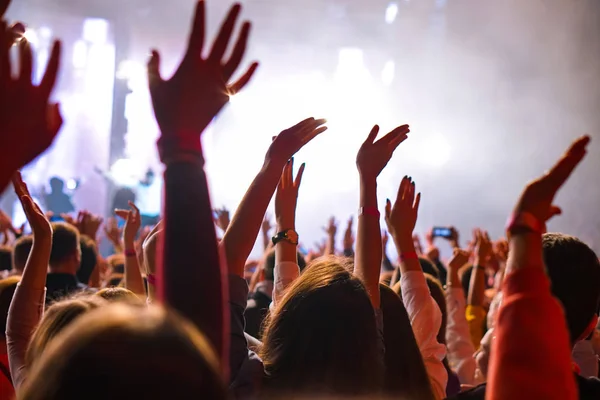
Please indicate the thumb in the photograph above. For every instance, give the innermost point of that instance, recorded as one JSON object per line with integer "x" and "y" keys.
{"x": 554, "y": 211}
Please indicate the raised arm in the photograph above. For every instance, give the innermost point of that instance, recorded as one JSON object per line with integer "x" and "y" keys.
{"x": 475, "y": 311}
{"x": 528, "y": 362}
{"x": 286, "y": 247}
{"x": 331, "y": 231}
{"x": 371, "y": 160}
{"x": 27, "y": 306}
{"x": 190, "y": 278}
{"x": 424, "y": 313}
{"x": 133, "y": 274}
{"x": 246, "y": 223}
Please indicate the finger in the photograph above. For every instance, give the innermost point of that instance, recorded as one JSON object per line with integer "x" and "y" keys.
{"x": 300, "y": 125}
{"x": 401, "y": 189}
{"x": 238, "y": 52}
{"x": 561, "y": 171}
{"x": 313, "y": 134}
{"x": 393, "y": 135}
{"x": 26, "y": 62}
{"x": 122, "y": 213}
{"x": 411, "y": 192}
{"x": 398, "y": 138}
{"x": 372, "y": 135}
{"x": 554, "y": 211}
{"x": 154, "y": 78}
{"x": 196, "y": 39}
{"x": 49, "y": 79}
{"x": 417, "y": 203}
{"x": 298, "y": 180}
{"x": 132, "y": 205}
{"x": 290, "y": 173}
{"x": 238, "y": 85}
{"x": 222, "y": 40}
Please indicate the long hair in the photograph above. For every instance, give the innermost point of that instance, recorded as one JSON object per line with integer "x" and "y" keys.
{"x": 322, "y": 338}
{"x": 405, "y": 373}
{"x": 121, "y": 352}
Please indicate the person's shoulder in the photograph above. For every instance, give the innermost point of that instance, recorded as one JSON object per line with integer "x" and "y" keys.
{"x": 589, "y": 388}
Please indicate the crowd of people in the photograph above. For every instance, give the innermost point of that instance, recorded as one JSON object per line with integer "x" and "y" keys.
{"x": 178, "y": 313}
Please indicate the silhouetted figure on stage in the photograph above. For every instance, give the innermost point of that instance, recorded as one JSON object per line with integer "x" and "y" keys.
{"x": 58, "y": 201}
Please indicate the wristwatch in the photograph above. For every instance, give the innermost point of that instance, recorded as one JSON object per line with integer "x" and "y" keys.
{"x": 289, "y": 235}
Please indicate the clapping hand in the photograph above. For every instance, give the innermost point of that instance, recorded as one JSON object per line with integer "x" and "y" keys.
{"x": 221, "y": 218}
{"x": 291, "y": 140}
{"x": 41, "y": 227}
{"x": 401, "y": 218}
{"x": 133, "y": 222}
{"x": 185, "y": 104}
{"x": 374, "y": 156}
{"x": 286, "y": 197}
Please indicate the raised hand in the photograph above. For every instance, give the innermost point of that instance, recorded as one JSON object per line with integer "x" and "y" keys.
{"x": 538, "y": 195}
{"x": 374, "y": 156}
{"x": 291, "y": 140}
{"x": 483, "y": 247}
{"x": 28, "y": 122}
{"x": 133, "y": 222}
{"x": 349, "y": 235}
{"x": 221, "y": 217}
{"x": 113, "y": 233}
{"x": 185, "y": 104}
{"x": 402, "y": 216}
{"x": 331, "y": 228}
{"x": 286, "y": 196}
{"x": 88, "y": 224}
{"x": 41, "y": 227}
{"x": 459, "y": 259}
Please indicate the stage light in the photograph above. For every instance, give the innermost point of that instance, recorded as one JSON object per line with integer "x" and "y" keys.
{"x": 95, "y": 30}
{"x": 122, "y": 172}
{"x": 391, "y": 12}
{"x": 72, "y": 184}
{"x": 437, "y": 151}
{"x": 45, "y": 32}
{"x": 31, "y": 36}
{"x": 388, "y": 73}
{"x": 80, "y": 54}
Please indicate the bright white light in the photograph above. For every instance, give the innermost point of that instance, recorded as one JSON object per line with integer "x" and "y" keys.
{"x": 45, "y": 32}
{"x": 71, "y": 184}
{"x": 31, "y": 36}
{"x": 351, "y": 67}
{"x": 123, "y": 172}
{"x": 391, "y": 13}
{"x": 437, "y": 151}
{"x": 80, "y": 54}
{"x": 95, "y": 30}
{"x": 388, "y": 73}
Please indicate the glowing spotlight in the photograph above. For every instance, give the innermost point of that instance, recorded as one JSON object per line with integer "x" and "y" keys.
{"x": 31, "y": 36}
{"x": 123, "y": 172}
{"x": 72, "y": 184}
{"x": 391, "y": 12}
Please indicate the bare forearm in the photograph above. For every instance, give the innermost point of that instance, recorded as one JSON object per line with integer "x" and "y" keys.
{"x": 245, "y": 225}
{"x": 133, "y": 275}
{"x": 36, "y": 268}
{"x": 368, "y": 242}
{"x": 477, "y": 285}
{"x": 406, "y": 245}
{"x": 525, "y": 252}
{"x": 284, "y": 250}
{"x": 190, "y": 277}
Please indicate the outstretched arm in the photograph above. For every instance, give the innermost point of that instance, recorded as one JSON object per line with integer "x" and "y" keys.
{"x": 247, "y": 220}
{"x": 190, "y": 276}
{"x": 27, "y": 306}
{"x": 133, "y": 274}
{"x": 371, "y": 160}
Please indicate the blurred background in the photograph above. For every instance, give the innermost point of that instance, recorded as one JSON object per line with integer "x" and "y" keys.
{"x": 494, "y": 90}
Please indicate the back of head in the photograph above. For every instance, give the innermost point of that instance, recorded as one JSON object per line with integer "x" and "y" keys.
{"x": 437, "y": 292}
{"x": 119, "y": 294}
{"x": 270, "y": 265}
{"x": 429, "y": 268}
{"x": 323, "y": 335}
{"x": 405, "y": 373}
{"x": 150, "y": 352}
{"x": 7, "y": 290}
{"x": 57, "y": 184}
{"x": 20, "y": 252}
{"x": 5, "y": 258}
{"x": 465, "y": 278}
{"x": 65, "y": 244}
{"x": 56, "y": 318}
{"x": 574, "y": 272}
{"x": 89, "y": 258}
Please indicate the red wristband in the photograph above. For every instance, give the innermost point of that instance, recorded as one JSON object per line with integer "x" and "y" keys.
{"x": 525, "y": 221}
{"x": 130, "y": 253}
{"x": 409, "y": 255}
{"x": 373, "y": 211}
{"x": 151, "y": 279}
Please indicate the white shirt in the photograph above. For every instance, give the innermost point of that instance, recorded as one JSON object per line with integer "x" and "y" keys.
{"x": 426, "y": 320}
